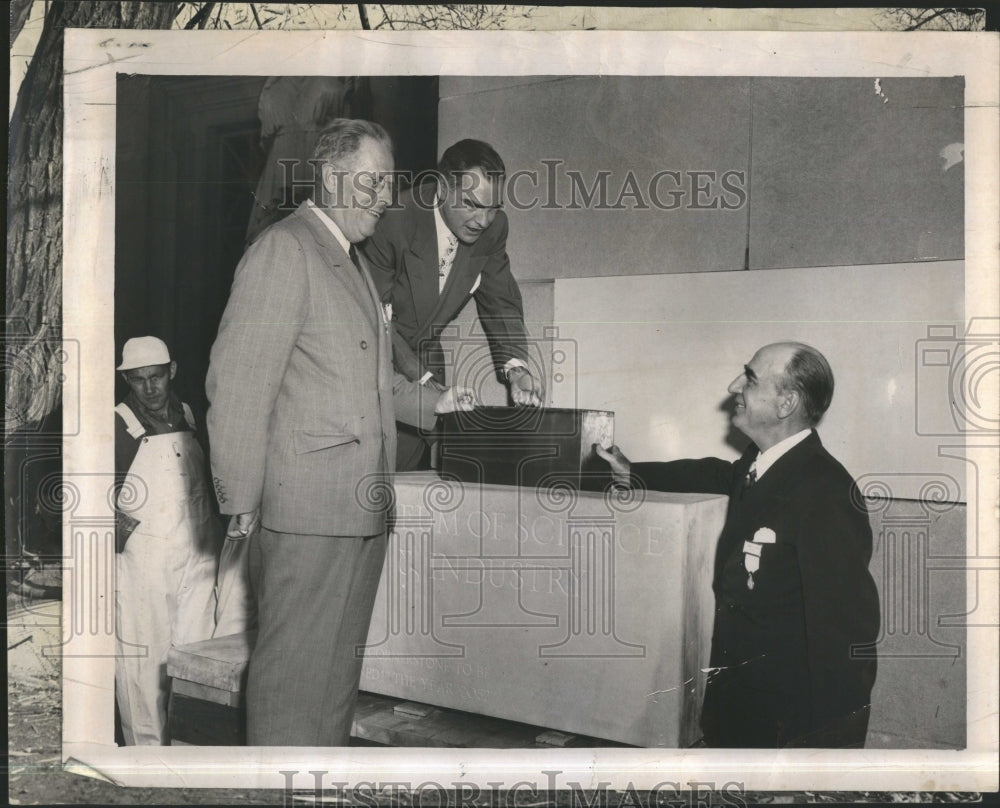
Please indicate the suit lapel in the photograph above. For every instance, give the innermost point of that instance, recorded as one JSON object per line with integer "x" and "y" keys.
{"x": 770, "y": 495}
{"x": 383, "y": 328}
{"x": 358, "y": 284}
{"x": 421, "y": 263}
{"x": 775, "y": 485}
{"x": 441, "y": 307}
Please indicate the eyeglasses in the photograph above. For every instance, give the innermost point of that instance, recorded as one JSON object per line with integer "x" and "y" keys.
{"x": 370, "y": 180}
{"x": 374, "y": 181}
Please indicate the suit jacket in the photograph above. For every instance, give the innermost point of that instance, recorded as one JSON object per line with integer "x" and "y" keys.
{"x": 782, "y": 667}
{"x": 403, "y": 258}
{"x": 303, "y": 399}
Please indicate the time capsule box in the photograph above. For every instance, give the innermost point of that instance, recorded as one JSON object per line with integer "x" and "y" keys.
{"x": 527, "y": 446}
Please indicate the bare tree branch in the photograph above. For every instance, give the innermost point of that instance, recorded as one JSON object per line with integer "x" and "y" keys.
{"x": 941, "y": 19}
{"x": 200, "y": 17}
{"x": 450, "y": 16}
{"x": 385, "y": 15}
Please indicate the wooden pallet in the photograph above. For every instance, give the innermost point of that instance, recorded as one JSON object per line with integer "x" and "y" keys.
{"x": 395, "y": 722}
{"x": 377, "y": 720}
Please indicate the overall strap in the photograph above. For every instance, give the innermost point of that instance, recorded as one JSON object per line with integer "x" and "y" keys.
{"x": 189, "y": 416}
{"x": 132, "y": 425}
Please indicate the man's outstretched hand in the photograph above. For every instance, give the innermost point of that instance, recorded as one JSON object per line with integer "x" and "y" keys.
{"x": 621, "y": 468}
{"x": 455, "y": 399}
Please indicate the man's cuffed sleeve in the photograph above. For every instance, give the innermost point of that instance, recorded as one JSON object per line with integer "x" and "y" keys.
{"x": 414, "y": 403}
{"x": 499, "y": 303}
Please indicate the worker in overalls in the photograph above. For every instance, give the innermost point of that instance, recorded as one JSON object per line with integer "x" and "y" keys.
{"x": 167, "y": 540}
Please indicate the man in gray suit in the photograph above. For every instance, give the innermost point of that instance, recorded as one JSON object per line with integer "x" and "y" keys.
{"x": 304, "y": 401}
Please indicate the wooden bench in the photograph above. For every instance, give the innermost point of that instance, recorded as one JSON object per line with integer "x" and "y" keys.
{"x": 206, "y": 692}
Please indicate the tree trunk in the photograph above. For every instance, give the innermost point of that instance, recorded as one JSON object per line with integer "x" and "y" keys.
{"x": 34, "y": 206}
{"x": 20, "y": 10}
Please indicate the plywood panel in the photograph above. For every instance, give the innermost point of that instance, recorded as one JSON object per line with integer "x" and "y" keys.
{"x": 624, "y": 126}
{"x": 856, "y": 171}
{"x": 661, "y": 350}
{"x": 920, "y": 694}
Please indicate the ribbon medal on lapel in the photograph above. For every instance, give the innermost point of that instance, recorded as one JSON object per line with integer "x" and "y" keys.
{"x": 752, "y": 551}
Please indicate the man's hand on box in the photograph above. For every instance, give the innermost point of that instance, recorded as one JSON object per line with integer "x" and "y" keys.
{"x": 621, "y": 468}
{"x": 525, "y": 389}
{"x": 455, "y": 399}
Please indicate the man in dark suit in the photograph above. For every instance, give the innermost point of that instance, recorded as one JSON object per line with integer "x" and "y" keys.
{"x": 796, "y": 610}
{"x": 445, "y": 241}
{"x": 302, "y": 425}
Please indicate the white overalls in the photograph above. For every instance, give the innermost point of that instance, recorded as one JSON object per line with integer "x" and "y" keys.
{"x": 166, "y": 573}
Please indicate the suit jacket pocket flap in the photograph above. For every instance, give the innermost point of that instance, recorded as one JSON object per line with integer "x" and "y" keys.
{"x": 306, "y": 441}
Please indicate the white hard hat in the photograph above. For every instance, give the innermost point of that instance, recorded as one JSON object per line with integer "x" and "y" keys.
{"x": 141, "y": 352}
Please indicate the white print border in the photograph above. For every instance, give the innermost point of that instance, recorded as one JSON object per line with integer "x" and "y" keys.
{"x": 95, "y": 57}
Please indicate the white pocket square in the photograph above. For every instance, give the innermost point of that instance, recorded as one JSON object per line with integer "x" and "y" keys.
{"x": 479, "y": 279}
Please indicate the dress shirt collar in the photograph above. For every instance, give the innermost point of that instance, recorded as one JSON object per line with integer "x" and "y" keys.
{"x": 767, "y": 458}
{"x": 331, "y": 225}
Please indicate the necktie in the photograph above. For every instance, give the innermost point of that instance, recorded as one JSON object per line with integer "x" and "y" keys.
{"x": 751, "y": 475}
{"x": 352, "y": 253}
{"x": 447, "y": 259}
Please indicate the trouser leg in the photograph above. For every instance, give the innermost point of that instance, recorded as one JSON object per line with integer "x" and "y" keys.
{"x": 315, "y": 598}
{"x": 143, "y": 613}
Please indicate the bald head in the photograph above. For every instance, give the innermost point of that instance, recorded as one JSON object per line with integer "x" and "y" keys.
{"x": 786, "y": 387}
{"x": 808, "y": 372}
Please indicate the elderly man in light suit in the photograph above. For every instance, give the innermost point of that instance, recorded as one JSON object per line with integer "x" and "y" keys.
{"x": 304, "y": 401}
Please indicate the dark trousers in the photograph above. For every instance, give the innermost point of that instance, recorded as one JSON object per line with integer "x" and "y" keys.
{"x": 738, "y": 717}
{"x": 315, "y": 596}
{"x": 413, "y": 452}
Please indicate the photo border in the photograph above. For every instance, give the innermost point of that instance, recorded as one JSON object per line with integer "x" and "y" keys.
{"x": 94, "y": 58}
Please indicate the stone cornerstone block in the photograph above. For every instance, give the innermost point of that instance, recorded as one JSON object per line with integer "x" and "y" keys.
{"x": 583, "y": 612}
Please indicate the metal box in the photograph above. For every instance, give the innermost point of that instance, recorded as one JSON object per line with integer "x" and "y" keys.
{"x": 527, "y": 446}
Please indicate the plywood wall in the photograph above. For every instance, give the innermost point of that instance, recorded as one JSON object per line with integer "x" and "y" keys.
{"x": 851, "y": 199}
{"x": 660, "y": 351}
{"x": 553, "y": 127}
{"x": 719, "y": 173}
